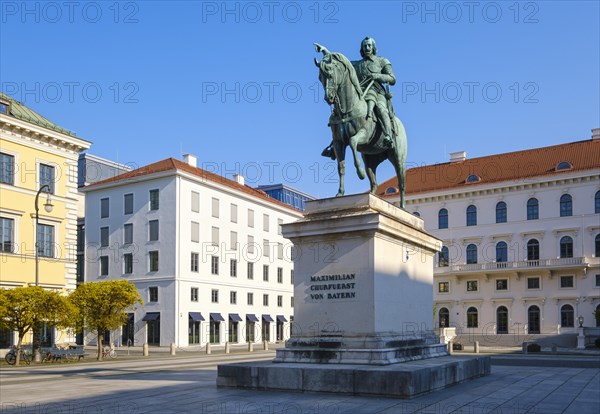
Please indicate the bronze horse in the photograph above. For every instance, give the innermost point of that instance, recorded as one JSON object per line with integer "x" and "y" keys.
{"x": 350, "y": 126}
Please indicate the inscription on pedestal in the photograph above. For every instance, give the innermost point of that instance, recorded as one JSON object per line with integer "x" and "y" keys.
{"x": 332, "y": 287}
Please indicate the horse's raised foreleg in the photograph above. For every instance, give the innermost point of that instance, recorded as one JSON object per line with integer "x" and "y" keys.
{"x": 360, "y": 136}
{"x": 340, "y": 155}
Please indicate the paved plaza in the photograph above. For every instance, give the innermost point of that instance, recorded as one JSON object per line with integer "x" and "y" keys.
{"x": 186, "y": 384}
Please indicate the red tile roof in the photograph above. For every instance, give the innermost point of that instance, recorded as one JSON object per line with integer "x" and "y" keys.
{"x": 171, "y": 164}
{"x": 510, "y": 166}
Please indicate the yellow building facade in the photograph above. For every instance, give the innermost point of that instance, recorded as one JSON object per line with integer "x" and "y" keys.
{"x": 35, "y": 152}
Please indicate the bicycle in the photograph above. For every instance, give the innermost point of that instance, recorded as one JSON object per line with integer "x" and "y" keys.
{"x": 110, "y": 352}
{"x": 11, "y": 356}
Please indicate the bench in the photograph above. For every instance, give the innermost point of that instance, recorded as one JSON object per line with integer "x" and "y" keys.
{"x": 59, "y": 352}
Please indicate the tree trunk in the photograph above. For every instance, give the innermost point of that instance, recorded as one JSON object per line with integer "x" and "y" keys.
{"x": 36, "y": 342}
{"x": 19, "y": 342}
{"x": 99, "y": 344}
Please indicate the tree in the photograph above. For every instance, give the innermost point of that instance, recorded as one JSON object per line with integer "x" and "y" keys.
{"x": 21, "y": 307}
{"x": 102, "y": 305}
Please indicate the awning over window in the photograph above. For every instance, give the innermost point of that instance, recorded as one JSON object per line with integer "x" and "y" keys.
{"x": 235, "y": 317}
{"x": 216, "y": 317}
{"x": 251, "y": 317}
{"x": 196, "y": 316}
{"x": 281, "y": 318}
{"x": 267, "y": 318}
{"x": 151, "y": 316}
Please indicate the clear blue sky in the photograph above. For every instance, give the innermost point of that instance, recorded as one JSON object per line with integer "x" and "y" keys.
{"x": 234, "y": 83}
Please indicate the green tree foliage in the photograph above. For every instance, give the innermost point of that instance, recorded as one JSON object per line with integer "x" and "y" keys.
{"x": 102, "y": 306}
{"x": 22, "y": 307}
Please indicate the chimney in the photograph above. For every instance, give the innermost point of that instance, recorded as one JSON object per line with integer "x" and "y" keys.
{"x": 458, "y": 156}
{"x": 596, "y": 134}
{"x": 190, "y": 159}
{"x": 238, "y": 178}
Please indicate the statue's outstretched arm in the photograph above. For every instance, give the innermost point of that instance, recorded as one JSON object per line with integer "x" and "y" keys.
{"x": 321, "y": 48}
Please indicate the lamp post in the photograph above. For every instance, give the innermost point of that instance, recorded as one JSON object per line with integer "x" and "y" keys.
{"x": 580, "y": 320}
{"x": 36, "y": 326}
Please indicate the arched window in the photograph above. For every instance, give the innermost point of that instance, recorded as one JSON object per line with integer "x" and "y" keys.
{"x": 533, "y": 209}
{"x": 597, "y": 246}
{"x": 472, "y": 320}
{"x": 471, "y": 254}
{"x": 391, "y": 190}
{"x": 473, "y": 179}
{"x": 444, "y": 318}
{"x": 533, "y": 320}
{"x": 598, "y": 316}
{"x": 533, "y": 250}
{"x": 567, "y": 316}
{"x": 471, "y": 215}
{"x": 566, "y": 205}
{"x": 597, "y": 202}
{"x": 566, "y": 247}
{"x": 501, "y": 212}
{"x": 443, "y": 219}
{"x": 501, "y": 252}
{"x": 416, "y": 213}
{"x": 502, "y": 320}
{"x": 564, "y": 165}
{"x": 444, "y": 257}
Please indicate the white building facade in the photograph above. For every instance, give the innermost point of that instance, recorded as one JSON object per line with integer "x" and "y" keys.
{"x": 521, "y": 235}
{"x": 206, "y": 254}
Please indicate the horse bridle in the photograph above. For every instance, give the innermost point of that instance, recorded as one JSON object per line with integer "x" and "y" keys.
{"x": 344, "y": 114}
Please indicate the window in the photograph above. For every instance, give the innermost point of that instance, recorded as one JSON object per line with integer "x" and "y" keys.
{"x": 195, "y": 258}
{"x": 103, "y": 265}
{"x": 266, "y": 248}
{"x": 250, "y": 218}
{"x": 104, "y": 206}
{"x": 215, "y": 207}
{"x": 502, "y": 320}
{"x": 128, "y": 233}
{"x": 597, "y": 280}
{"x": 128, "y": 204}
{"x": 233, "y": 213}
{"x": 266, "y": 273}
{"x": 501, "y": 212}
{"x": 473, "y": 179}
{"x": 444, "y": 287}
{"x": 564, "y": 165}
{"x": 195, "y": 230}
{"x": 279, "y": 275}
{"x": 233, "y": 297}
{"x": 250, "y": 298}
{"x": 280, "y": 251}
{"x": 566, "y": 247}
{"x": 533, "y": 320}
{"x": 5, "y": 109}
{"x": 7, "y": 169}
{"x": 501, "y": 253}
{"x": 502, "y": 284}
{"x": 215, "y": 236}
{"x": 214, "y": 296}
{"x": 153, "y": 294}
{"x": 597, "y": 245}
{"x": 567, "y": 282}
{"x": 265, "y": 300}
{"x": 533, "y": 283}
{"x": 45, "y": 240}
{"x": 292, "y": 302}
{"x": 444, "y": 257}
{"x": 214, "y": 265}
{"x": 128, "y": 263}
{"x": 472, "y": 286}
{"x": 566, "y": 205}
{"x": 195, "y": 202}
{"x": 597, "y": 203}
{"x": 154, "y": 200}
{"x": 533, "y": 250}
{"x": 279, "y": 301}
{"x": 153, "y": 256}
{"x": 472, "y": 317}
{"x": 103, "y": 236}
{"x": 250, "y": 270}
{"x": 233, "y": 268}
{"x": 279, "y": 227}
{"x": 533, "y": 209}
{"x": 265, "y": 222}
{"x": 153, "y": 226}
{"x": 194, "y": 294}
{"x": 292, "y": 276}
{"x": 444, "y": 318}
{"x": 416, "y": 214}
{"x": 6, "y": 234}
{"x": 47, "y": 177}
{"x": 250, "y": 245}
{"x": 471, "y": 254}
{"x": 567, "y": 316}
{"x": 471, "y": 215}
{"x": 443, "y": 219}
{"x": 233, "y": 240}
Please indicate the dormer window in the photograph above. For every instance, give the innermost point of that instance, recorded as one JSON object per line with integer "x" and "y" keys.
{"x": 391, "y": 190}
{"x": 473, "y": 179}
{"x": 4, "y": 108}
{"x": 564, "y": 165}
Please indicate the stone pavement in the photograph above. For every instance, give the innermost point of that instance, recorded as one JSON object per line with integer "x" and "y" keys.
{"x": 186, "y": 384}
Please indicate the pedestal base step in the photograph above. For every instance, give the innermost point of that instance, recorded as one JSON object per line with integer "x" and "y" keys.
{"x": 406, "y": 380}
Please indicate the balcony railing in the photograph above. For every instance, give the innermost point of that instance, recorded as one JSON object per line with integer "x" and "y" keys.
{"x": 518, "y": 265}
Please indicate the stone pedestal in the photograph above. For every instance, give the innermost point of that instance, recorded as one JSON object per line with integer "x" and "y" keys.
{"x": 363, "y": 305}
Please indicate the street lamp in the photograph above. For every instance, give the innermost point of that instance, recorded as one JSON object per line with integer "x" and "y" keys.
{"x": 580, "y": 320}
{"x": 48, "y": 207}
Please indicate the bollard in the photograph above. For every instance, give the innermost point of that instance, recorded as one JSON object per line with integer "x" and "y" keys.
{"x": 227, "y": 350}
{"x": 265, "y": 345}
{"x": 250, "y": 346}
{"x": 450, "y": 350}
{"x": 525, "y": 345}
{"x": 172, "y": 348}
{"x": 476, "y": 347}
{"x": 145, "y": 350}
{"x": 208, "y": 350}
